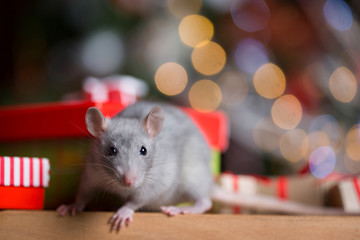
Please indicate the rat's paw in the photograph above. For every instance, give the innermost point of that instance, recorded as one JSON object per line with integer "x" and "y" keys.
{"x": 122, "y": 217}
{"x": 172, "y": 210}
{"x": 72, "y": 209}
{"x": 201, "y": 206}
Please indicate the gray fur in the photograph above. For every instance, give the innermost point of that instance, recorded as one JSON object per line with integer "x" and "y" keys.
{"x": 176, "y": 168}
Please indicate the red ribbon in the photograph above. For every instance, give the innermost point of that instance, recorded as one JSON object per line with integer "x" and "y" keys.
{"x": 2, "y": 171}
{"x": 235, "y": 178}
{"x": 357, "y": 187}
{"x": 282, "y": 188}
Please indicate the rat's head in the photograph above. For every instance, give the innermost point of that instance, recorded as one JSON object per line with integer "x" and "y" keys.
{"x": 126, "y": 146}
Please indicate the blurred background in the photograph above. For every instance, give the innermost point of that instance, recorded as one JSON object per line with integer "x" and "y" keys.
{"x": 285, "y": 72}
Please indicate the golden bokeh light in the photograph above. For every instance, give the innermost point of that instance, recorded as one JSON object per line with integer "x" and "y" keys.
{"x": 329, "y": 126}
{"x": 234, "y": 88}
{"x": 333, "y": 131}
{"x": 269, "y": 81}
{"x": 294, "y": 145}
{"x": 266, "y": 135}
{"x": 286, "y": 112}
{"x": 182, "y": 8}
{"x": 343, "y": 85}
{"x": 205, "y": 96}
{"x": 209, "y": 59}
{"x": 352, "y": 143}
{"x": 196, "y": 30}
{"x": 171, "y": 78}
{"x": 318, "y": 139}
{"x": 351, "y": 165}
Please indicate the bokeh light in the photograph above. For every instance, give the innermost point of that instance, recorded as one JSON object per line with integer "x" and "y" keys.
{"x": 205, "y": 96}
{"x": 286, "y": 112}
{"x": 352, "y": 143}
{"x": 102, "y": 53}
{"x": 327, "y": 125}
{"x": 171, "y": 78}
{"x": 294, "y": 145}
{"x": 250, "y": 54}
{"x": 209, "y": 59}
{"x": 266, "y": 135}
{"x": 343, "y": 85}
{"x": 182, "y": 8}
{"x": 338, "y": 14}
{"x": 322, "y": 161}
{"x": 351, "y": 165}
{"x": 269, "y": 81}
{"x": 250, "y": 15}
{"x": 196, "y": 30}
{"x": 234, "y": 88}
{"x": 317, "y": 139}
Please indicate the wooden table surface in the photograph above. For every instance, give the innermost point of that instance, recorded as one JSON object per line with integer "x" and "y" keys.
{"x": 39, "y": 225}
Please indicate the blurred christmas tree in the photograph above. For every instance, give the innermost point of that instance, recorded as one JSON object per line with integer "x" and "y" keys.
{"x": 286, "y": 72}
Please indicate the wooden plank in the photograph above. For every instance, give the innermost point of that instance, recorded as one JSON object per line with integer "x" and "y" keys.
{"x": 93, "y": 225}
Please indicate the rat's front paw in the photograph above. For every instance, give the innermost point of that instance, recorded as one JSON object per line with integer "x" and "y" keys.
{"x": 121, "y": 217}
{"x": 72, "y": 209}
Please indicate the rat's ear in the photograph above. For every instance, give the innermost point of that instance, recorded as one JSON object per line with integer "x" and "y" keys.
{"x": 154, "y": 121}
{"x": 95, "y": 121}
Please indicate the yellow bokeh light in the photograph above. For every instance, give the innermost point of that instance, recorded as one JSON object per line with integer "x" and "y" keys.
{"x": 171, "y": 78}
{"x": 286, "y": 112}
{"x": 332, "y": 130}
{"x": 266, "y": 135}
{"x": 234, "y": 88}
{"x": 352, "y": 143}
{"x": 195, "y": 30}
{"x": 343, "y": 85}
{"x": 205, "y": 96}
{"x": 209, "y": 59}
{"x": 182, "y": 8}
{"x": 351, "y": 165}
{"x": 318, "y": 139}
{"x": 294, "y": 145}
{"x": 269, "y": 81}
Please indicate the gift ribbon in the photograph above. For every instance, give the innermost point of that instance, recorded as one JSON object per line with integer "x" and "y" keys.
{"x": 2, "y": 173}
{"x": 282, "y": 188}
{"x": 235, "y": 181}
{"x": 357, "y": 188}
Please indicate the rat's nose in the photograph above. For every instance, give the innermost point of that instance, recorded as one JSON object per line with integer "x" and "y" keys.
{"x": 129, "y": 179}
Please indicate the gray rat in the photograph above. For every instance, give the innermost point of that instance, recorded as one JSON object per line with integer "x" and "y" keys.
{"x": 153, "y": 156}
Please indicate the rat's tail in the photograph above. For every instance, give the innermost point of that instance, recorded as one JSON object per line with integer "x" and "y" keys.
{"x": 271, "y": 204}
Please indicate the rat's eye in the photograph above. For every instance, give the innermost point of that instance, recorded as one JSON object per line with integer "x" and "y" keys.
{"x": 111, "y": 151}
{"x": 143, "y": 151}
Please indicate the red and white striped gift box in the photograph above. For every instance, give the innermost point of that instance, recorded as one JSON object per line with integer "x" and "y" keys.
{"x": 349, "y": 194}
{"x": 23, "y": 181}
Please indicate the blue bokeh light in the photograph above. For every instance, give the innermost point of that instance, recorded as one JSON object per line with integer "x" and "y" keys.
{"x": 250, "y": 15}
{"x": 328, "y": 124}
{"x": 250, "y": 54}
{"x": 322, "y": 161}
{"x": 338, "y": 14}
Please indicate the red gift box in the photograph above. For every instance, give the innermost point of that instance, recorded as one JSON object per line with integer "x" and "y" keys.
{"x": 67, "y": 119}
{"x": 23, "y": 181}
{"x": 58, "y": 131}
